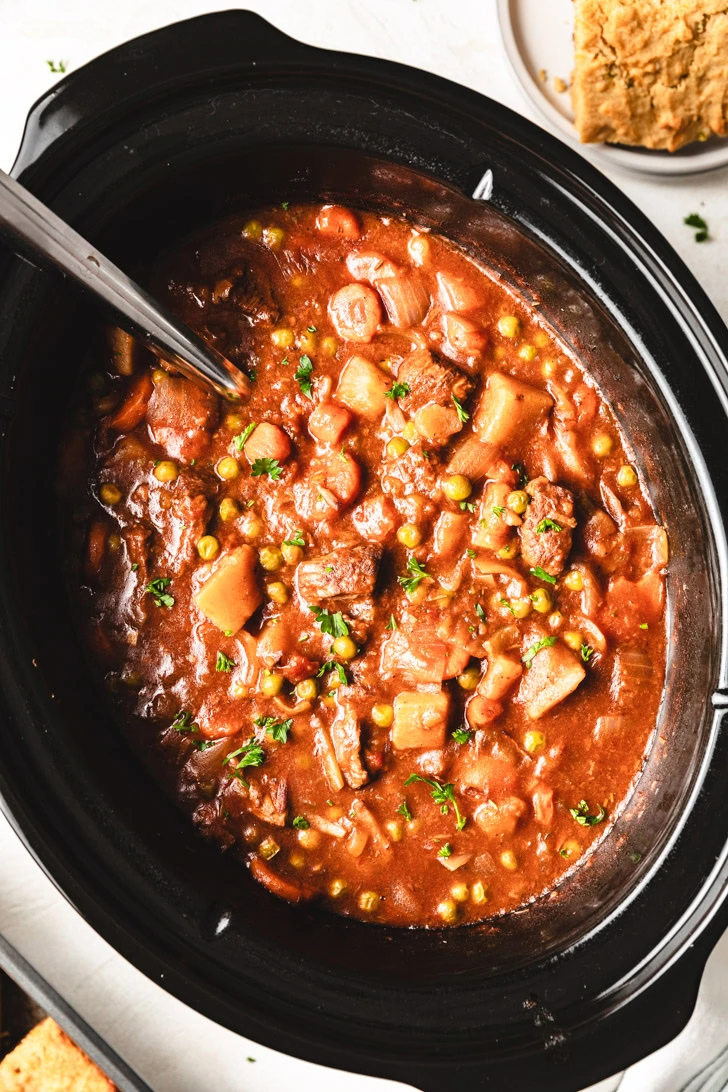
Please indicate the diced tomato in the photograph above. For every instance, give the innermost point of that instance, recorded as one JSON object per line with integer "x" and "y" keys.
{"x": 337, "y": 220}
{"x": 131, "y": 412}
{"x": 329, "y": 421}
{"x": 267, "y": 442}
{"x": 96, "y": 548}
{"x": 355, "y": 312}
{"x": 543, "y": 804}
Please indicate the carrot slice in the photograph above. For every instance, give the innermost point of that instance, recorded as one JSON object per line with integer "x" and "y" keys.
{"x": 95, "y": 548}
{"x": 131, "y": 412}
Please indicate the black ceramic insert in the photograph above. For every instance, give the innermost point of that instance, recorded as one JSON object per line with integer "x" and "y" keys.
{"x": 183, "y": 126}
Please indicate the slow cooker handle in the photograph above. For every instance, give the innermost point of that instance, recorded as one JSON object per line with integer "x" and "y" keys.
{"x": 131, "y": 78}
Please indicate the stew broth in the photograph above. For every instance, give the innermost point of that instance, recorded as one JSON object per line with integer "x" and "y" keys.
{"x": 391, "y": 630}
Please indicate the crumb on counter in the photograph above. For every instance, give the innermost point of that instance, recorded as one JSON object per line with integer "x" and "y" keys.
{"x": 650, "y": 73}
{"x": 560, "y": 85}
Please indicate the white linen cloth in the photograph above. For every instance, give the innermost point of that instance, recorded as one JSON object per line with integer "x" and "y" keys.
{"x": 173, "y": 1048}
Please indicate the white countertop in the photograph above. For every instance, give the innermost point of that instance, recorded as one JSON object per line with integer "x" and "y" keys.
{"x": 458, "y": 39}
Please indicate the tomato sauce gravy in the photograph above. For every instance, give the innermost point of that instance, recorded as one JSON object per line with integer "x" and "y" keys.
{"x": 390, "y": 628}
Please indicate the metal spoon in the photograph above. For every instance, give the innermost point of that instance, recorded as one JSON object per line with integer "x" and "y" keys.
{"x": 36, "y": 233}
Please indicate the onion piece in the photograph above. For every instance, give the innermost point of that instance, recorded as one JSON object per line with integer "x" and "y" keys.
{"x": 592, "y": 632}
{"x": 406, "y": 299}
{"x": 457, "y": 860}
{"x": 335, "y": 830}
{"x": 356, "y": 843}
{"x": 324, "y": 748}
{"x": 486, "y": 566}
{"x": 291, "y": 710}
{"x": 608, "y": 726}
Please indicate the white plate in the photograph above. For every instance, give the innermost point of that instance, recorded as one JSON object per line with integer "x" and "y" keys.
{"x": 538, "y": 36}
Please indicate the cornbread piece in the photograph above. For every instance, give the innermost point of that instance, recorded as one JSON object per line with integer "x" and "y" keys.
{"x": 48, "y": 1061}
{"x": 650, "y": 72}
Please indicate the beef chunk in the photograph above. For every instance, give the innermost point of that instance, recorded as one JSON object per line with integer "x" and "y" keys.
{"x": 181, "y": 417}
{"x": 541, "y": 544}
{"x": 346, "y": 737}
{"x": 430, "y": 381}
{"x": 180, "y": 521}
{"x": 344, "y": 572}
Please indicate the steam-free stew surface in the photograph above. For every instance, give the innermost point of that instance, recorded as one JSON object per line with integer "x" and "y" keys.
{"x": 391, "y": 630}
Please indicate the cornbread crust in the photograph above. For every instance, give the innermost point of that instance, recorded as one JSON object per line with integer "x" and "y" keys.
{"x": 650, "y": 72}
{"x": 48, "y": 1061}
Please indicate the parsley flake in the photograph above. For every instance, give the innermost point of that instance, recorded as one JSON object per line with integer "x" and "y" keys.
{"x": 462, "y": 735}
{"x": 183, "y": 722}
{"x": 470, "y": 553}
{"x": 333, "y": 624}
{"x": 271, "y": 467}
{"x": 392, "y": 623}
{"x": 410, "y": 583}
{"x": 548, "y": 525}
{"x": 442, "y": 793}
{"x": 157, "y": 588}
{"x": 480, "y": 612}
{"x": 643, "y": 625}
{"x": 57, "y": 66}
{"x": 332, "y": 665}
{"x": 498, "y": 510}
{"x": 541, "y": 574}
{"x": 303, "y": 375}
{"x": 250, "y": 754}
{"x": 545, "y": 642}
{"x": 277, "y": 729}
{"x": 311, "y": 329}
{"x": 462, "y": 413}
{"x": 582, "y": 816}
{"x": 467, "y": 506}
{"x": 397, "y": 390}
{"x": 586, "y": 652}
{"x": 522, "y": 475}
{"x": 404, "y": 811}
{"x": 300, "y": 823}
{"x": 241, "y": 437}
{"x": 694, "y": 221}
{"x": 508, "y": 605}
{"x": 285, "y": 205}
{"x": 223, "y": 662}
{"x": 445, "y": 851}
{"x": 297, "y": 539}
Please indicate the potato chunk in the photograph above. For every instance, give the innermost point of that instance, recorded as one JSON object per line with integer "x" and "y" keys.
{"x": 362, "y": 386}
{"x": 231, "y": 594}
{"x": 554, "y": 674}
{"x": 509, "y": 410}
{"x": 420, "y": 719}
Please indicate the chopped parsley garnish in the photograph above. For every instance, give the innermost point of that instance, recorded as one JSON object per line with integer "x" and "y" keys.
{"x": 250, "y": 754}
{"x": 397, "y": 390}
{"x": 332, "y": 665}
{"x": 463, "y": 414}
{"x": 564, "y": 852}
{"x": 333, "y": 624}
{"x": 522, "y": 475}
{"x": 467, "y": 506}
{"x": 135, "y": 566}
{"x": 57, "y": 66}
{"x": 303, "y": 375}
{"x": 297, "y": 539}
{"x": 498, "y": 510}
{"x": 404, "y": 811}
{"x": 693, "y": 221}
{"x": 582, "y": 816}
{"x": 392, "y": 623}
{"x": 442, "y": 793}
{"x": 409, "y": 583}
{"x": 204, "y": 744}
{"x": 462, "y": 735}
{"x": 183, "y": 722}
{"x": 470, "y": 553}
{"x": 480, "y": 612}
{"x": 643, "y": 625}
{"x": 545, "y": 642}
{"x": 285, "y": 361}
{"x": 541, "y": 574}
{"x": 284, "y": 205}
{"x": 158, "y": 589}
{"x": 445, "y": 851}
{"x": 277, "y": 729}
{"x": 301, "y": 823}
{"x": 508, "y": 605}
{"x": 271, "y": 467}
{"x": 586, "y": 652}
{"x": 548, "y": 525}
{"x": 311, "y": 329}
{"x": 223, "y": 662}
{"x": 241, "y": 437}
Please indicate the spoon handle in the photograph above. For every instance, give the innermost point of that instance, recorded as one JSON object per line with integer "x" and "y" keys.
{"x": 34, "y": 231}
